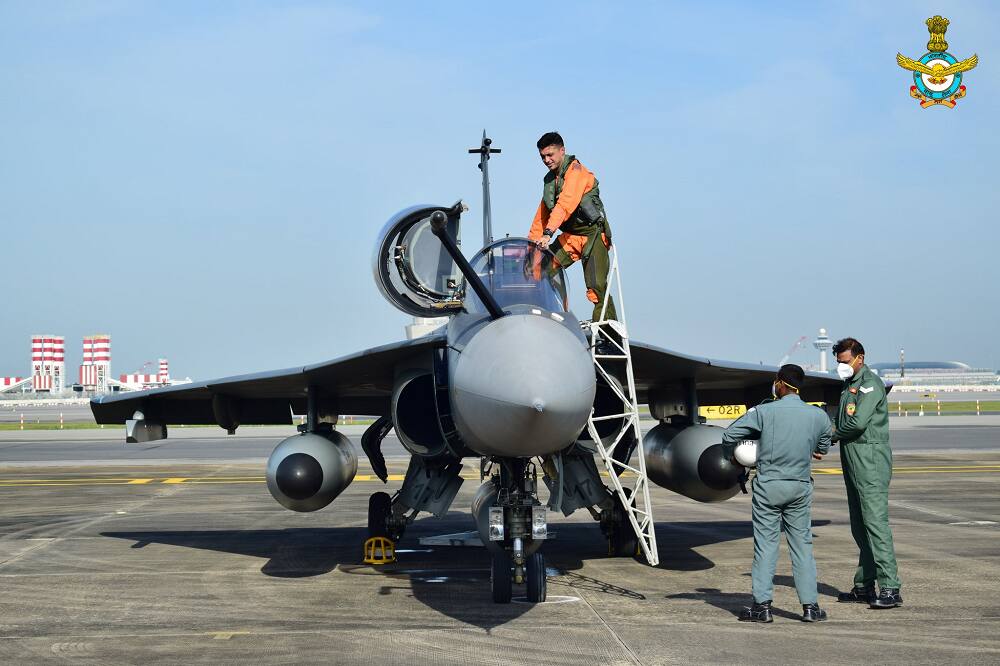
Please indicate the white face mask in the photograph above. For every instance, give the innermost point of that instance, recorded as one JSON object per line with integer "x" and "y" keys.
{"x": 844, "y": 371}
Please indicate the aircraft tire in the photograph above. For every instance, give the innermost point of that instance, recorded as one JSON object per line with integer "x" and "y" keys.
{"x": 379, "y": 506}
{"x": 501, "y": 578}
{"x": 536, "y": 577}
{"x": 623, "y": 541}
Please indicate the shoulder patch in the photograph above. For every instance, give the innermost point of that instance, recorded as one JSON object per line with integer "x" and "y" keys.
{"x": 853, "y": 390}
{"x": 851, "y": 408}
{"x": 867, "y": 389}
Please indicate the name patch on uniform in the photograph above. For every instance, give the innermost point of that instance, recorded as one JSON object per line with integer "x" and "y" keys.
{"x": 853, "y": 390}
{"x": 867, "y": 389}
{"x": 851, "y": 408}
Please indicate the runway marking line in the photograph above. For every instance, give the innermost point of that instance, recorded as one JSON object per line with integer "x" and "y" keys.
{"x": 226, "y": 635}
{"x": 192, "y": 480}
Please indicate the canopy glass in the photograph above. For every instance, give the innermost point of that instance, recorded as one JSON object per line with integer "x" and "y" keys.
{"x": 517, "y": 272}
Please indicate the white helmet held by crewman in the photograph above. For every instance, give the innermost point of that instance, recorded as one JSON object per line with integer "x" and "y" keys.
{"x": 746, "y": 453}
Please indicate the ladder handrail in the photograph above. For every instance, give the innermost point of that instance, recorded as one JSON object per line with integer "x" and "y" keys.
{"x": 638, "y": 506}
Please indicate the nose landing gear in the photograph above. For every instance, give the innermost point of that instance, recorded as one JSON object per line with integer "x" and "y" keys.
{"x": 512, "y": 522}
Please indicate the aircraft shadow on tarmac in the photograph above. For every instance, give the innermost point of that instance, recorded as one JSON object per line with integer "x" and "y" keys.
{"x": 677, "y": 542}
{"x": 454, "y": 581}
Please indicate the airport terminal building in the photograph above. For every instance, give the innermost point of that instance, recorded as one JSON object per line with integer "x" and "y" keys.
{"x": 948, "y": 375}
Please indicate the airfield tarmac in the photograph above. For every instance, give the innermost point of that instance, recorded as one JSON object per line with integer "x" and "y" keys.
{"x": 174, "y": 551}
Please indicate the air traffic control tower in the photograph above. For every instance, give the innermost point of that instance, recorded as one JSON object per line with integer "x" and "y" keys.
{"x": 823, "y": 344}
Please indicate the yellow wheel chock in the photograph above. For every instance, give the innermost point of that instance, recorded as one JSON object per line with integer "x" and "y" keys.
{"x": 379, "y": 550}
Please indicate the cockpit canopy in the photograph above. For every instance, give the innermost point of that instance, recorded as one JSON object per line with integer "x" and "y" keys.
{"x": 417, "y": 275}
{"x": 518, "y": 272}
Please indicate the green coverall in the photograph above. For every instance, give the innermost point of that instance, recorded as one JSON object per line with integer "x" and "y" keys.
{"x": 788, "y": 431}
{"x": 863, "y": 432}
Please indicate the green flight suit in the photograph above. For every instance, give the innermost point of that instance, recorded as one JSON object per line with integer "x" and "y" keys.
{"x": 865, "y": 456}
{"x": 788, "y": 431}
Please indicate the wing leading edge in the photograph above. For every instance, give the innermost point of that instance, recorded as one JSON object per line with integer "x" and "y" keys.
{"x": 357, "y": 384}
{"x": 661, "y": 374}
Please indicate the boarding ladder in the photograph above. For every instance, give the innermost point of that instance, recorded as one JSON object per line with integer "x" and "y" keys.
{"x": 637, "y": 505}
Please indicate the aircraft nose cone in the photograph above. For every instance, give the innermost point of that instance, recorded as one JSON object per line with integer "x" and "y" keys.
{"x": 523, "y": 386}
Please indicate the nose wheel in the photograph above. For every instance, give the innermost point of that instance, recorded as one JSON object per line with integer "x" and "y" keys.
{"x": 501, "y": 578}
{"x": 535, "y": 570}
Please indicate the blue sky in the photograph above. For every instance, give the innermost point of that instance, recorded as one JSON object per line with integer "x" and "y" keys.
{"x": 205, "y": 181}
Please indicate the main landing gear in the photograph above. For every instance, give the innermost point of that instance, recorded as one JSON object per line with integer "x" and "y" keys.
{"x": 379, "y": 548}
{"x": 429, "y": 485}
{"x": 622, "y": 539}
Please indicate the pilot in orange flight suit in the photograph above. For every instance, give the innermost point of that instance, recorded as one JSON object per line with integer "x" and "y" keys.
{"x": 571, "y": 203}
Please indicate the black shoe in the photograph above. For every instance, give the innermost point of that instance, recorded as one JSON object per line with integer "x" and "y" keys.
{"x": 888, "y": 597}
{"x": 813, "y": 613}
{"x": 859, "y": 595}
{"x": 757, "y": 613}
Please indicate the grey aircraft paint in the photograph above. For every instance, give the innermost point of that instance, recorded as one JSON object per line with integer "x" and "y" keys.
{"x": 510, "y": 380}
{"x": 523, "y": 386}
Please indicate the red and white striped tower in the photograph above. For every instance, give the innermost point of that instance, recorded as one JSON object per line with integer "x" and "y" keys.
{"x": 48, "y": 363}
{"x": 96, "y": 367}
{"x": 163, "y": 376}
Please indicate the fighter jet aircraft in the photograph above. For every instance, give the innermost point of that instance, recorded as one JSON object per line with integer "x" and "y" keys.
{"x": 476, "y": 389}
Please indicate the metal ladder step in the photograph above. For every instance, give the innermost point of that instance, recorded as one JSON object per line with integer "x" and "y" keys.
{"x": 637, "y": 505}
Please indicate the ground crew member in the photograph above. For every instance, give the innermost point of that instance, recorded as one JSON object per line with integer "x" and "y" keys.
{"x": 863, "y": 432}
{"x": 789, "y": 432}
{"x": 571, "y": 203}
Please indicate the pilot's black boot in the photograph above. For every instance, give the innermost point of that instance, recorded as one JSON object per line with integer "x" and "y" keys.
{"x": 888, "y": 597}
{"x": 813, "y": 613}
{"x": 859, "y": 595}
{"x": 757, "y": 613}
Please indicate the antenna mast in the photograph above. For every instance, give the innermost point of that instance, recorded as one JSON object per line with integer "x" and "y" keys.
{"x": 484, "y": 152}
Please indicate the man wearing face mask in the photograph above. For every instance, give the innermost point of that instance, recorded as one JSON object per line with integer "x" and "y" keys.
{"x": 862, "y": 428}
{"x": 789, "y": 432}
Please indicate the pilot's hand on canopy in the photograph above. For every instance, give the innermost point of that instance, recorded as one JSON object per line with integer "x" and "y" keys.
{"x": 544, "y": 241}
